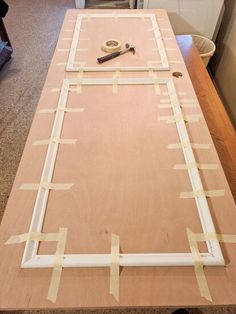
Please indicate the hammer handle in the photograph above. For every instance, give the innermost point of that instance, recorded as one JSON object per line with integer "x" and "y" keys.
{"x": 108, "y": 57}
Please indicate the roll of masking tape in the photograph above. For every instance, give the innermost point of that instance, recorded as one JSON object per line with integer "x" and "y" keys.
{"x": 111, "y": 45}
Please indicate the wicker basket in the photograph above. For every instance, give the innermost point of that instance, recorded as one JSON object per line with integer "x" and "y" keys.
{"x": 205, "y": 46}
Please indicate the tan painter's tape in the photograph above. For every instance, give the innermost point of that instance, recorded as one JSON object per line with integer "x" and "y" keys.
{"x": 187, "y": 144}
{"x": 179, "y": 117}
{"x": 55, "y": 140}
{"x": 153, "y": 64}
{"x": 117, "y": 65}
{"x": 115, "y": 266}
{"x": 198, "y": 268}
{"x": 195, "y": 165}
{"x": 114, "y": 83}
{"x": 165, "y": 101}
{"x": 178, "y": 93}
{"x": 82, "y": 49}
{"x": 71, "y": 110}
{"x": 202, "y": 237}
{"x": 181, "y": 105}
{"x": 79, "y": 65}
{"x": 209, "y": 193}
{"x": 57, "y": 269}
{"x": 60, "y": 63}
{"x": 63, "y": 49}
{"x": 87, "y": 17}
{"x": 55, "y": 90}
{"x": 46, "y": 185}
{"x": 157, "y": 86}
{"x": 33, "y": 236}
{"x": 77, "y": 89}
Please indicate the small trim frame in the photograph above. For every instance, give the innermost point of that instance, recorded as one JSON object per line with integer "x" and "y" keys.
{"x": 71, "y": 63}
{"x": 31, "y": 259}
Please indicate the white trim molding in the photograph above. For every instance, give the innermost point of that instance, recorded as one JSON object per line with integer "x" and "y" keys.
{"x": 31, "y": 258}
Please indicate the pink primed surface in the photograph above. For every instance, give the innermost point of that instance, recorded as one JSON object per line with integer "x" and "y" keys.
{"x": 123, "y": 183}
{"x": 122, "y": 30}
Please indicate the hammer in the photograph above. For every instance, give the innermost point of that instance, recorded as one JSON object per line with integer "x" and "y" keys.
{"x": 113, "y": 55}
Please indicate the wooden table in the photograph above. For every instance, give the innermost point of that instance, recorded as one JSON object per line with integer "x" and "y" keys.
{"x": 219, "y": 124}
{"x": 120, "y": 175}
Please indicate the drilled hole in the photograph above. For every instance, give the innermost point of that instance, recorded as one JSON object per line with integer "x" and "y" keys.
{"x": 177, "y": 74}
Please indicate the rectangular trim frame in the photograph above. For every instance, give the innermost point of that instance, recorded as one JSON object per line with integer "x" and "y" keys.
{"x": 31, "y": 259}
{"x": 71, "y": 63}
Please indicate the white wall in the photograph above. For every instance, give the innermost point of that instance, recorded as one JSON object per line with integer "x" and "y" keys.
{"x": 191, "y": 16}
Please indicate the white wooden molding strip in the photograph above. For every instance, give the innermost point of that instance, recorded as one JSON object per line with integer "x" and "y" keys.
{"x": 49, "y": 164}
{"x": 194, "y": 176}
{"x": 74, "y": 42}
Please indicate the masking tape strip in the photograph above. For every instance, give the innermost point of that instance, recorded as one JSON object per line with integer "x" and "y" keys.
{"x": 46, "y": 185}
{"x": 77, "y": 89}
{"x": 60, "y": 63}
{"x": 198, "y": 268}
{"x": 80, "y": 64}
{"x": 55, "y": 90}
{"x": 117, "y": 65}
{"x": 115, "y": 267}
{"x": 115, "y": 16}
{"x": 178, "y": 93}
{"x": 195, "y": 164}
{"x": 182, "y": 101}
{"x": 55, "y": 140}
{"x": 63, "y": 49}
{"x": 82, "y": 49}
{"x": 114, "y": 84}
{"x": 71, "y": 110}
{"x": 165, "y": 101}
{"x": 181, "y": 105}
{"x": 88, "y": 17}
{"x": 57, "y": 269}
{"x": 179, "y": 117}
{"x": 187, "y": 144}
{"x": 157, "y": 87}
{"x": 209, "y": 193}
{"x": 152, "y": 29}
{"x": 32, "y": 236}
{"x": 152, "y": 64}
{"x": 202, "y": 237}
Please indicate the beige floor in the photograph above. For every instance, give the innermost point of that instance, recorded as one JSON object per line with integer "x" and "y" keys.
{"x": 33, "y": 27}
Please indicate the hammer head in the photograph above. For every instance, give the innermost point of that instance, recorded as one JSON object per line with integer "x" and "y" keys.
{"x": 130, "y": 47}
